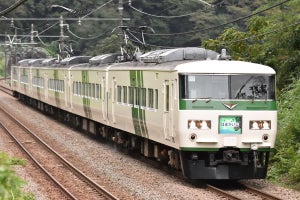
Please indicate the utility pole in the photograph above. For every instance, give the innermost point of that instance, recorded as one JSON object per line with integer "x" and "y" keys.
{"x": 120, "y": 34}
{"x": 62, "y": 43}
{"x": 62, "y": 53}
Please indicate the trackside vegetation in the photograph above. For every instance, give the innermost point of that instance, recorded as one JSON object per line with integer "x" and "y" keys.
{"x": 274, "y": 40}
{"x": 10, "y": 184}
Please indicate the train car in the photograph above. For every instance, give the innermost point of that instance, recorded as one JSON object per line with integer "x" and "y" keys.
{"x": 198, "y": 111}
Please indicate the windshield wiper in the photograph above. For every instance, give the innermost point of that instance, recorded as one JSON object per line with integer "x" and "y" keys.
{"x": 237, "y": 96}
{"x": 207, "y": 99}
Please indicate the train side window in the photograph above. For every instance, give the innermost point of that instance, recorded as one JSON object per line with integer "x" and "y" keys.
{"x": 143, "y": 97}
{"x": 85, "y": 90}
{"x": 74, "y": 88}
{"x": 156, "y": 99}
{"x": 167, "y": 99}
{"x": 80, "y": 89}
{"x": 98, "y": 91}
{"x": 63, "y": 86}
{"x": 130, "y": 95}
{"x": 88, "y": 90}
{"x": 136, "y": 97}
{"x": 119, "y": 94}
{"x": 124, "y": 95}
{"x": 150, "y": 98}
{"x": 93, "y": 90}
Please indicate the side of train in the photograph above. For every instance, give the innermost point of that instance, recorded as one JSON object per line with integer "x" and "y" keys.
{"x": 212, "y": 118}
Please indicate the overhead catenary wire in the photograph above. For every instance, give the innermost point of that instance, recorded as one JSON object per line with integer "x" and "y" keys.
{"x": 12, "y": 7}
{"x": 87, "y": 38}
{"x": 220, "y": 25}
{"x": 262, "y": 34}
{"x": 244, "y": 39}
{"x": 175, "y": 16}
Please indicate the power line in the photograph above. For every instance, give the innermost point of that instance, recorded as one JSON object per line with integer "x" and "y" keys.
{"x": 175, "y": 16}
{"x": 262, "y": 34}
{"x": 67, "y": 19}
{"x": 85, "y": 38}
{"x": 218, "y": 26}
{"x": 12, "y": 7}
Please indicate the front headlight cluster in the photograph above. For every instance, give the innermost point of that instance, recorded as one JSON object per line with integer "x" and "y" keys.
{"x": 260, "y": 125}
{"x": 199, "y": 124}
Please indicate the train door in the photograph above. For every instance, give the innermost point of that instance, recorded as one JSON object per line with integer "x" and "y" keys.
{"x": 67, "y": 89}
{"x": 104, "y": 95}
{"x": 46, "y": 87}
{"x": 168, "y": 110}
{"x": 71, "y": 90}
{"x": 113, "y": 99}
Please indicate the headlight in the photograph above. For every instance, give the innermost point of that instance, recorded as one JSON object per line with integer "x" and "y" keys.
{"x": 199, "y": 124}
{"x": 260, "y": 125}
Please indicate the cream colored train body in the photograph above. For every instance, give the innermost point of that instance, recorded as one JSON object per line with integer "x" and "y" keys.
{"x": 212, "y": 118}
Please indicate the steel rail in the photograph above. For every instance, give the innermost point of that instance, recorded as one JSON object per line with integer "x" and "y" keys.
{"x": 85, "y": 178}
{"x": 261, "y": 193}
{"x": 68, "y": 193}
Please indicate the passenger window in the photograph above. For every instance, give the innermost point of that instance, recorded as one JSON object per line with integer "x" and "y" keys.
{"x": 150, "y": 98}
{"x": 143, "y": 97}
{"x": 119, "y": 94}
{"x": 136, "y": 97}
{"x": 131, "y": 95}
{"x": 156, "y": 99}
{"x": 124, "y": 94}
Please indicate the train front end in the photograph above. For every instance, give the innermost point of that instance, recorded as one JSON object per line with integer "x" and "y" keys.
{"x": 227, "y": 119}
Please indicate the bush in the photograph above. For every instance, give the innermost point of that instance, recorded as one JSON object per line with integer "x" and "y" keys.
{"x": 10, "y": 184}
{"x": 286, "y": 161}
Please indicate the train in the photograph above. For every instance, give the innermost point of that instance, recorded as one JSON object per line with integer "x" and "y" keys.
{"x": 194, "y": 109}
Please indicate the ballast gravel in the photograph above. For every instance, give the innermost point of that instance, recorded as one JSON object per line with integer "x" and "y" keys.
{"x": 125, "y": 176}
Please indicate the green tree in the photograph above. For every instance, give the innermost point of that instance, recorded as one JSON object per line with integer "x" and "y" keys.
{"x": 274, "y": 39}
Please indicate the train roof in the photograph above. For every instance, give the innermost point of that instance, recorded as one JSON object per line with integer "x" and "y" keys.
{"x": 224, "y": 67}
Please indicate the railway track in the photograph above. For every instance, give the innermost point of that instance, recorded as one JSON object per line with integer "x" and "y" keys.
{"x": 241, "y": 192}
{"x": 4, "y": 87}
{"x": 71, "y": 181}
{"x": 248, "y": 191}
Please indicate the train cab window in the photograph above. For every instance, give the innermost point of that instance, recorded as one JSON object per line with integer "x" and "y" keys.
{"x": 244, "y": 86}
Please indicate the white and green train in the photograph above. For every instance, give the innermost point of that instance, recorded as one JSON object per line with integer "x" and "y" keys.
{"x": 210, "y": 117}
